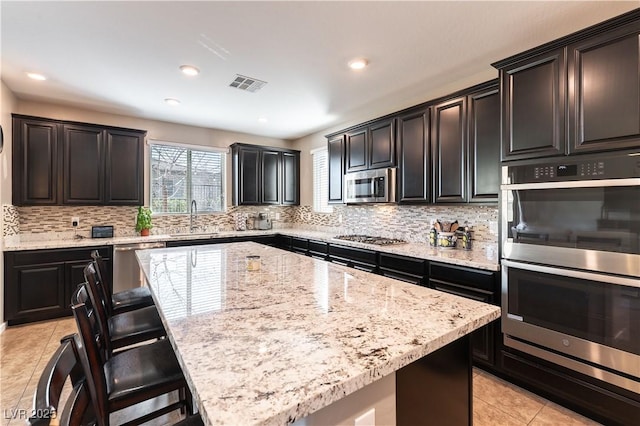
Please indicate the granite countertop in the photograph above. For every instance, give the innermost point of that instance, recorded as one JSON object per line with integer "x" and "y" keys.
{"x": 273, "y": 345}
{"x": 483, "y": 255}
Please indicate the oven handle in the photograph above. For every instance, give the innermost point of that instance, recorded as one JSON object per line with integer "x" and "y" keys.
{"x": 571, "y": 184}
{"x": 610, "y": 279}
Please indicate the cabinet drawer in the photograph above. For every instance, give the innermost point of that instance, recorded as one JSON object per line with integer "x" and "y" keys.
{"x": 403, "y": 264}
{"x": 318, "y": 248}
{"x": 298, "y": 245}
{"x": 32, "y": 257}
{"x": 396, "y": 275}
{"x": 473, "y": 278}
{"x": 356, "y": 254}
{"x": 463, "y": 291}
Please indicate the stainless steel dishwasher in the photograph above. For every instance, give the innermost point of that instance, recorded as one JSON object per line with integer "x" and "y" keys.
{"x": 126, "y": 271}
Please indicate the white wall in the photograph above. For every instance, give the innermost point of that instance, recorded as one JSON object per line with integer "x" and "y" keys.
{"x": 8, "y": 104}
{"x": 316, "y": 140}
{"x": 160, "y": 130}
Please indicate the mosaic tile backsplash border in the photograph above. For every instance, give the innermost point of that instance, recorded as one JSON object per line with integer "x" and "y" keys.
{"x": 410, "y": 223}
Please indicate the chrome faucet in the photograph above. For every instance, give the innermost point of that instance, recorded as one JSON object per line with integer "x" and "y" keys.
{"x": 194, "y": 214}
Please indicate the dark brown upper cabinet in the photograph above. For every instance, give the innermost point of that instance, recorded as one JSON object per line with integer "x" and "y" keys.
{"x": 414, "y": 157}
{"x": 67, "y": 163}
{"x": 449, "y": 144}
{"x": 265, "y": 175}
{"x": 336, "y": 168}
{"x": 465, "y": 140}
{"x": 124, "y": 179}
{"x": 371, "y": 146}
{"x": 35, "y": 162}
{"x": 83, "y": 162}
{"x": 290, "y": 178}
{"x": 271, "y": 162}
{"x": 484, "y": 145}
{"x": 580, "y": 93}
{"x": 533, "y": 93}
{"x": 604, "y": 90}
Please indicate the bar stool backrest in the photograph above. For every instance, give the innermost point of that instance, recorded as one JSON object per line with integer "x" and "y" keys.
{"x": 64, "y": 364}
{"x": 101, "y": 280}
{"x": 98, "y": 303}
{"x": 92, "y": 363}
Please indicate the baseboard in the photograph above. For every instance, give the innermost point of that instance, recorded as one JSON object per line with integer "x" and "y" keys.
{"x": 3, "y": 327}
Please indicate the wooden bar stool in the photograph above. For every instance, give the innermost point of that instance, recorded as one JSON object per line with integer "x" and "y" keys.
{"x": 124, "y": 329}
{"x": 121, "y": 301}
{"x": 128, "y": 377}
{"x": 63, "y": 364}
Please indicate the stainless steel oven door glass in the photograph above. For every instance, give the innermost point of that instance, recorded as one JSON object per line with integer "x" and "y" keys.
{"x": 584, "y": 321}
{"x": 590, "y": 224}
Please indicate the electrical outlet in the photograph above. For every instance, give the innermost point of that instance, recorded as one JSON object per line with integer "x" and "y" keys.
{"x": 277, "y": 216}
{"x": 367, "y": 419}
{"x": 340, "y": 219}
{"x": 75, "y": 221}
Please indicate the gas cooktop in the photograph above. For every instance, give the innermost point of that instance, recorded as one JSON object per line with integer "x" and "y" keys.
{"x": 381, "y": 241}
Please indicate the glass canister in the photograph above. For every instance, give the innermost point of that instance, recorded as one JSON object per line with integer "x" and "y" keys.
{"x": 433, "y": 236}
{"x": 466, "y": 238}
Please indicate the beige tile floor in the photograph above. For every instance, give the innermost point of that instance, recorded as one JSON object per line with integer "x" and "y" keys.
{"x": 25, "y": 350}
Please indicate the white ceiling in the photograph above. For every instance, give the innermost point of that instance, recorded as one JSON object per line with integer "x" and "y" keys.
{"x": 123, "y": 57}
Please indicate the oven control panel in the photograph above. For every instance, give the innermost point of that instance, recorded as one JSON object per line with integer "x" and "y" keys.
{"x": 616, "y": 166}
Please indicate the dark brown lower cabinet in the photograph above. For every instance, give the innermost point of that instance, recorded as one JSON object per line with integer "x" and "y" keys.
{"x": 39, "y": 283}
{"x": 475, "y": 284}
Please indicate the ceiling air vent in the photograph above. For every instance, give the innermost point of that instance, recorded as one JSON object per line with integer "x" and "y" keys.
{"x": 248, "y": 84}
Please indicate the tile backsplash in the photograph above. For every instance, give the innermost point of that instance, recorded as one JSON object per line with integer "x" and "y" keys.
{"x": 411, "y": 223}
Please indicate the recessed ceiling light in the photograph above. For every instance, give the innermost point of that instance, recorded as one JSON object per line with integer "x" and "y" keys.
{"x": 172, "y": 101}
{"x": 263, "y": 119}
{"x": 358, "y": 64}
{"x": 36, "y": 76}
{"x": 189, "y": 70}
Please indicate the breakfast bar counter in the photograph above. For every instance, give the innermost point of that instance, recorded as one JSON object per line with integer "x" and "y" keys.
{"x": 270, "y": 340}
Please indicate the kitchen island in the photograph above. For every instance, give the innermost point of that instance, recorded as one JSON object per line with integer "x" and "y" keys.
{"x": 274, "y": 339}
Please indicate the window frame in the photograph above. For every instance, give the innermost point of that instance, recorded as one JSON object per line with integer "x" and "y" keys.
{"x": 320, "y": 204}
{"x": 190, "y": 148}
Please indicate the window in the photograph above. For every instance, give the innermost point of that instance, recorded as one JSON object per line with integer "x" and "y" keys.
{"x": 321, "y": 181}
{"x": 180, "y": 174}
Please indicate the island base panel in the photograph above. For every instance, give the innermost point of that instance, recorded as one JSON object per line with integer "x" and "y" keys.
{"x": 436, "y": 389}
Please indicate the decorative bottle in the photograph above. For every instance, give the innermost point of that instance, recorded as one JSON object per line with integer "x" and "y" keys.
{"x": 466, "y": 238}
{"x": 433, "y": 236}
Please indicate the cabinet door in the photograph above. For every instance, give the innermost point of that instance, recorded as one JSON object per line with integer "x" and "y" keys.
{"x": 35, "y": 292}
{"x": 271, "y": 177}
{"x": 533, "y": 99}
{"x": 356, "y": 150}
{"x": 247, "y": 176}
{"x": 35, "y": 162}
{"x": 382, "y": 146}
{"x": 336, "y": 168}
{"x": 484, "y": 146}
{"x": 482, "y": 342}
{"x": 449, "y": 151}
{"x": 124, "y": 168}
{"x": 414, "y": 157}
{"x": 604, "y": 97}
{"x": 290, "y": 178}
{"x": 83, "y": 163}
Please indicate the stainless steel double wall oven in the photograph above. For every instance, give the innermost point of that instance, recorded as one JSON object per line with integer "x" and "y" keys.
{"x": 570, "y": 230}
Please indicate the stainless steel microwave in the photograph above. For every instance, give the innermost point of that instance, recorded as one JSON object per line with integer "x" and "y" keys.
{"x": 371, "y": 186}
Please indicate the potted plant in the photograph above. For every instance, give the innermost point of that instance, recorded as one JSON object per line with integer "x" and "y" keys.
{"x": 143, "y": 221}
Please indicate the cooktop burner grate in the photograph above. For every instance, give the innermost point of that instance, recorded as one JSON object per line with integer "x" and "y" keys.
{"x": 367, "y": 239}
